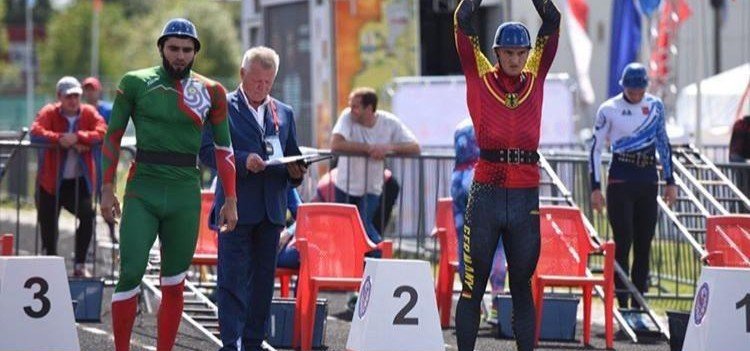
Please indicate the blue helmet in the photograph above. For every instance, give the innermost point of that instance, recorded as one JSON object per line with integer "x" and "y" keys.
{"x": 634, "y": 76}
{"x": 179, "y": 27}
{"x": 512, "y": 35}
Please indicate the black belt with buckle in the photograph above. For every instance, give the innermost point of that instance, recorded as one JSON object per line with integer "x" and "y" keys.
{"x": 636, "y": 158}
{"x": 513, "y": 156}
{"x": 167, "y": 158}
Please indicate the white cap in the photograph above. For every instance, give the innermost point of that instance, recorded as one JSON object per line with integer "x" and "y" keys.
{"x": 68, "y": 85}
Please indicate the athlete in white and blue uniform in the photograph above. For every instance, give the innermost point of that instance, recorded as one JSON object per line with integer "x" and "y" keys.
{"x": 633, "y": 124}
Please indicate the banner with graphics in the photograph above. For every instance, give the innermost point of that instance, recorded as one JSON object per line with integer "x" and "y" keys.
{"x": 376, "y": 41}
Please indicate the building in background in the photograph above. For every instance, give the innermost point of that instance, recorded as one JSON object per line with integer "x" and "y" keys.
{"x": 345, "y": 43}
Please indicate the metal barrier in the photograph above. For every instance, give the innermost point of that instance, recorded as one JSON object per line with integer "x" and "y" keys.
{"x": 676, "y": 253}
{"x": 19, "y": 196}
{"x": 422, "y": 180}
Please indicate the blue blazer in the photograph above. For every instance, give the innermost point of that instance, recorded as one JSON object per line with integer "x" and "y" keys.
{"x": 258, "y": 194}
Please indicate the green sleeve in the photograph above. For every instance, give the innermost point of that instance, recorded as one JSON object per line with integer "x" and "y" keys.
{"x": 121, "y": 111}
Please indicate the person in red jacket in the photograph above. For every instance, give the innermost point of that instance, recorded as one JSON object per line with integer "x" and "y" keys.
{"x": 505, "y": 104}
{"x": 67, "y": 174}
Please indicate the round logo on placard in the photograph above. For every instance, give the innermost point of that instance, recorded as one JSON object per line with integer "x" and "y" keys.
{"x": 364, "y": 297}
{"x": 701, "y": 304}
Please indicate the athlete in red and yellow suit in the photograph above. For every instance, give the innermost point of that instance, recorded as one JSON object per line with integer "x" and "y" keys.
{"x": 503, "y": 201}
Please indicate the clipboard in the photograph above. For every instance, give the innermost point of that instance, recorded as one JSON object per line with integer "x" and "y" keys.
{"x": 306, "y": 159}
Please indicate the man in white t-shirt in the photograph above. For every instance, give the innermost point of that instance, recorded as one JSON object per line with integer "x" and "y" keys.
{"x": 363, "y": 129}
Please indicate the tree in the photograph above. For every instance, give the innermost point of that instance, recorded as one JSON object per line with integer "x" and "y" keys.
{"x": 10, "y": 74}
{"x": 16, "y": 12}
{"x": 67, "y": 50}
{"x": 128, "y": 43}
{"x": 220, "y": 48}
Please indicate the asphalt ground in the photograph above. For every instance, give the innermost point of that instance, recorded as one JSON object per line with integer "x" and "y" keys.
{"x": 98, "y": 336}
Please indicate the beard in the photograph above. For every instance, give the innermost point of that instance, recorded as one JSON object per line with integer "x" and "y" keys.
{"x": 174, "y": 73}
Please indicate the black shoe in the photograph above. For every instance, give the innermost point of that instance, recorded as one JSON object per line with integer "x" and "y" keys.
{"x": 352, "y": 303}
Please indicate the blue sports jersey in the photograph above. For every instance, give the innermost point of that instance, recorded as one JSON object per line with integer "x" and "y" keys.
{"x": 631, "y": 129}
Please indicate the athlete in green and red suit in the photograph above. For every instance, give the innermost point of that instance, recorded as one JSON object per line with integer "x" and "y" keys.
{"x": 169, "y": 104}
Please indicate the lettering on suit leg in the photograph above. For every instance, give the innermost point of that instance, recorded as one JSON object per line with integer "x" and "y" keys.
{"x": 468, "y": 265}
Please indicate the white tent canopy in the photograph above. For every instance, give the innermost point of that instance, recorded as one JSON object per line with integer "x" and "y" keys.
{"x": 720, "y": 97}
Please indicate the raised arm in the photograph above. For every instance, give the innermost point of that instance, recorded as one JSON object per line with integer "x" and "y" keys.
{"x": 473, "y": 62}
{"x": 550, "y": 17}
{"x": 545, "y": 48}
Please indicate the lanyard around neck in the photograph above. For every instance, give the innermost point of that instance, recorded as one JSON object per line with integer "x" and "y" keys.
{"x": 271, "y": 104}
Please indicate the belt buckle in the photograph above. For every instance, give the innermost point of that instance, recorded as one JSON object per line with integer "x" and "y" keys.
{"x": 640, "y": 160}
{"x": 514, "y": 156}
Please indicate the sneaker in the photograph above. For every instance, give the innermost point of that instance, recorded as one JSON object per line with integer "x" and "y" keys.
{"x": 636, "y": 321}
{"x": 642, "y": 322}
{"x": 80, "y": 271}
{"x": 266, "y": 346}
{"x": 492, "y": 316}
{"x": 483, "y": 310}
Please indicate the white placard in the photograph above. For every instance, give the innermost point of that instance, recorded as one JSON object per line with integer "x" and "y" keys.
{"x": 36, "y": 312}
{"x": 720, "y": 319}
{"x": 432, "y": 107}
{"x": 397, "y": 309}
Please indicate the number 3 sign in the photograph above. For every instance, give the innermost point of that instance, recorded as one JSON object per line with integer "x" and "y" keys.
{"x": 396, "y": 310}
{"x": 36, "y": 312}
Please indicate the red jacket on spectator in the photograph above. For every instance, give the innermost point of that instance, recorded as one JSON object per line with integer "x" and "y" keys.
{"x": 49, "y": 125}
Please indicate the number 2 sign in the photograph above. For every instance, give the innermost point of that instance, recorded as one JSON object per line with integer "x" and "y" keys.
{"x": 36, "y": 312}
{"x": 397, "y": 309}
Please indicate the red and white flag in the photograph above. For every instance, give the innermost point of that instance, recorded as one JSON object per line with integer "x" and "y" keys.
{"x": 669, "y": 22}
{"x": 577, "y": 13}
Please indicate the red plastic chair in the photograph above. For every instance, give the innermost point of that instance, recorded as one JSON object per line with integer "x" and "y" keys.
{"x": 207, "y": 247}
{"x": 332, "y": 244}
{"x": 728, "y": 241}
{"x": 566, "y": 246}
{"x": 445, "y": 229}
{"x": 6, "y": 245}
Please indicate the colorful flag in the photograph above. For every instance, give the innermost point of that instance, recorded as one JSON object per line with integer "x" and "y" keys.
{"x": 648, "y": 7}
{"x": 669, "y": 23}
{"x": 577, "y": 13}
{"x": 626, "y": 40}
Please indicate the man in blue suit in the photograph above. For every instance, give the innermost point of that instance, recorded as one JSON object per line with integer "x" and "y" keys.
{"x": 262, "y": 129}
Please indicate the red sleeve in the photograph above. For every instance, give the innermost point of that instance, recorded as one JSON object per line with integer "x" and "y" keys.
{"x": 42, "y": 126}
{"x": 473, "y": 62}
{"x": 95, "y": 128}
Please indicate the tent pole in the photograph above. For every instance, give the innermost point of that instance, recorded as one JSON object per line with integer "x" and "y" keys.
{"x": 700, "y": 70}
